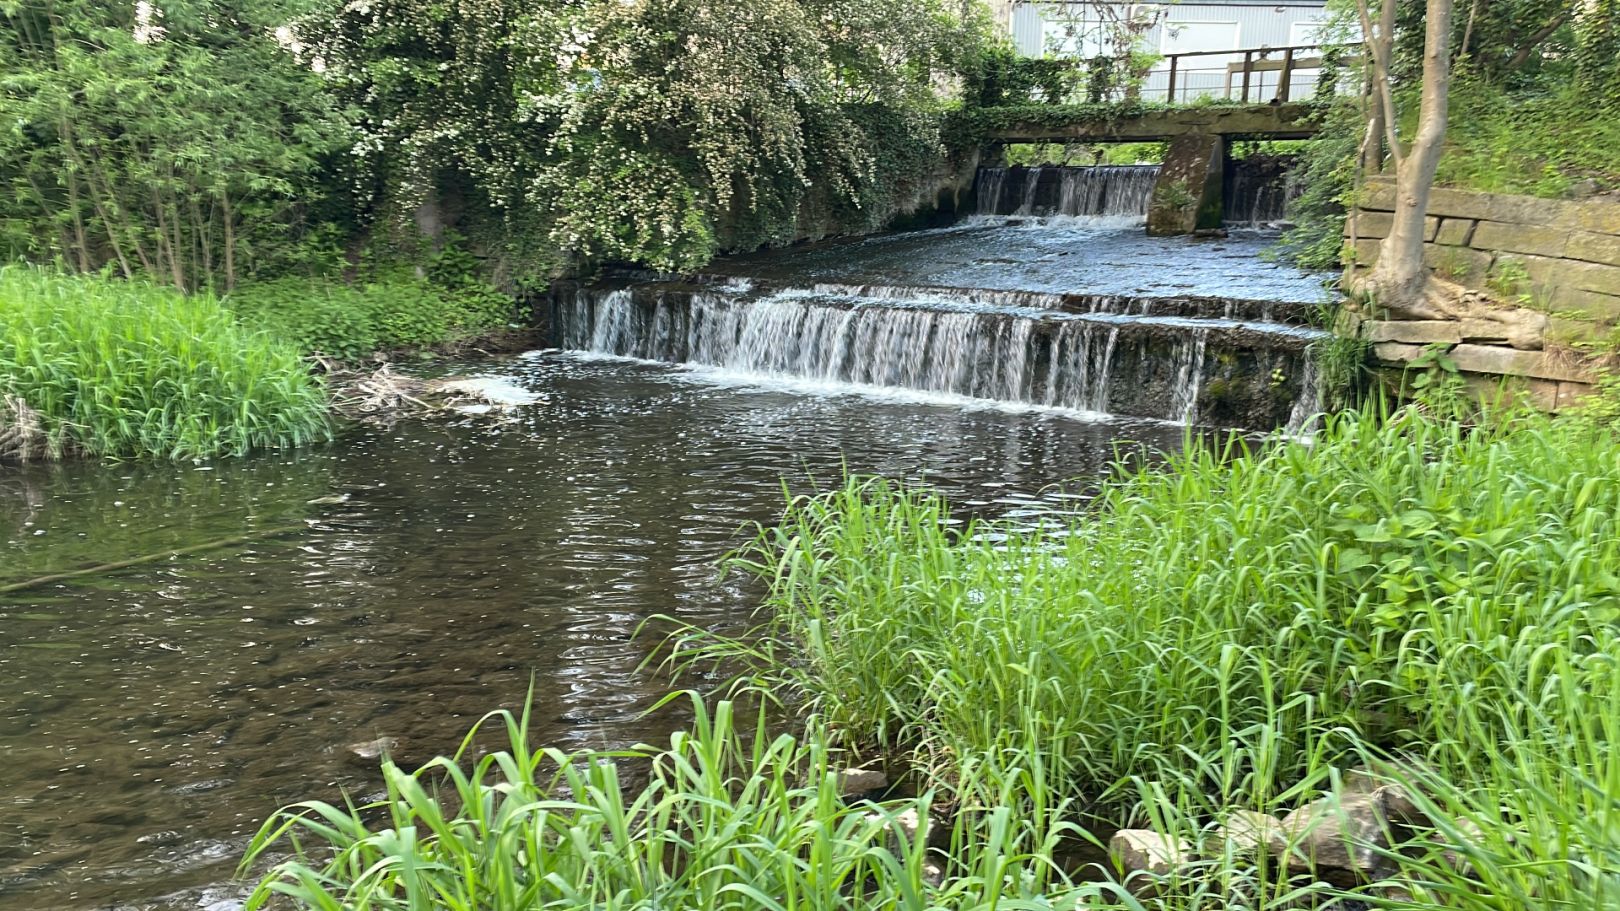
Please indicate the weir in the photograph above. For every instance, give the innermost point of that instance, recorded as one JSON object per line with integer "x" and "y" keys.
{"x": 1256, "y": 192}
{"x": 1035, "y": 302}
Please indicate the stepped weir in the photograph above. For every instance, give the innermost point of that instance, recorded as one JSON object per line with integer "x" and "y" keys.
{"x": 1040, "y": 301}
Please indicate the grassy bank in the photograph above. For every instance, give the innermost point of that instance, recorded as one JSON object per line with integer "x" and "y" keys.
{"x": 1233, "y": 630}
{"x": 114, "y": 369}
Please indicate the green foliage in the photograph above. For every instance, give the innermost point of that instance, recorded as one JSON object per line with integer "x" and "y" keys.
{"x": 1003, "y": 76}
{"x": 179, "y": 141}
{"x": 1081, "y": 154}
{"x": 730, "y": 819}
{"x": 1536, "y": 141}
{"x": 658, "y": 132}
{"x": 353, "y": 321}
{"x": 119, "y": 369}
{"x": 1327, "y": 172}
{"x": 1224, "y": 630}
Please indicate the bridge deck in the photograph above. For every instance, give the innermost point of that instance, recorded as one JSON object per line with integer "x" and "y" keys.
{"x": 1259, "y": 121}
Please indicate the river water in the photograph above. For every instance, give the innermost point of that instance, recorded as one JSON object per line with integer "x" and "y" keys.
{"x": 404, "y": 580}
{"x": 155, "y": 716}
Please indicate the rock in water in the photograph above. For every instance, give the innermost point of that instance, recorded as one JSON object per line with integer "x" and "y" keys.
{"x": 861, "y": 782}
{"x": 1250, "y": 832}
{"x": 1146, "y": 851}
{"x": 1342, "y": 835}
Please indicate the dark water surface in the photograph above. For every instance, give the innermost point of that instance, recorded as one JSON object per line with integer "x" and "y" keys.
{"x": 153, "y": 717}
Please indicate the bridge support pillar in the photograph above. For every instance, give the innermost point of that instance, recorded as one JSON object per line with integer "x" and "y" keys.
{"x": 1187, "y": 194}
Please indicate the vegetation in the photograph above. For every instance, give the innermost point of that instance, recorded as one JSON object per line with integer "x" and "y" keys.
{"x": 115, "y": 369}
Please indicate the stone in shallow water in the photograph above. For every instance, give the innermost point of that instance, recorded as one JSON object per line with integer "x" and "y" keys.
{"x": 1146, "y": 851}
{"x": 860, "y": 782}
{"x": 491, "y": 390}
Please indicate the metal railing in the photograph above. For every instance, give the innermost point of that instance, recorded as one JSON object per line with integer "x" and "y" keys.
{"x": 1250, "y": 73}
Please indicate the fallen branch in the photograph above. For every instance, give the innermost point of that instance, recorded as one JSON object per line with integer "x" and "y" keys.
{"x": 150, "y": 558}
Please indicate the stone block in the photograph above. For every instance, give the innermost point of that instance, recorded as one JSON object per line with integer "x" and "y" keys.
{"x": 1538, "y": 240}
{"x": 1566, "y": 331}
{"x": 1456, "y": 231}
{"x": 1482, "y": 330}
{"x": 1365, "y": 251}
{"x": 1377, "y": 225}
{"x": 1502, "y": 390}
{"x": 1416, "y": 331}
{"x": 1492, "y": 359}
{"x": 1146, "y": 851}
{"x": 1459, "y": 203}
{"x": 1187, "y": 192}
{"x": 1594, "y": 248}
{"x": 1604, "y": 308}
{"x": 1597, "y": 217}
{"x": 1369, "y": 225}
{"x": 1396, "y": 354}
{"x": 1378, "y": 195}
{"x": 1588, "y": 277}
{"x": 1570, "y": 395}
{"x": 1527, "y": 210}
{"x": 1460, "y": 264}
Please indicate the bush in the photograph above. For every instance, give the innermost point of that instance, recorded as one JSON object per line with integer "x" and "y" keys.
{"x": 116, "y": 369}
{"x": 350, "y": 322}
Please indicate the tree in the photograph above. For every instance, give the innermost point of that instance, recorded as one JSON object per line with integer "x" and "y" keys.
{"x": 1400, "y": 280}
{"x": 181, "y": 141}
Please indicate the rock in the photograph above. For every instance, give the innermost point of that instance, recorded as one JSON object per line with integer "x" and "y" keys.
{"x": 372, "y": 750}
{"x": 905, "y": 828}
{"x": 1585, "y": 189}
{"x": 1472, "y": 835}
{"x": 861, "y": 782}
{"x": 1146, "y": 851}
{"x": 1249, "y": 832}
{"x": 1341, "y": 835}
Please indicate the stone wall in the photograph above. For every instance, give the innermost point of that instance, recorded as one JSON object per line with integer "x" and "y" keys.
{"x": 1558, "y": 257}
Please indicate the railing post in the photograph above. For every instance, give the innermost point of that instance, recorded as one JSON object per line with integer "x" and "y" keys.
{"x": 1285, "y": 81}
{"x": 1248, "y": 64}
{"x": 1172, "y": 94}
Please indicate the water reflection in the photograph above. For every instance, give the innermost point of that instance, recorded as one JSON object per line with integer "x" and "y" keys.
{"x": 155, "y": 716}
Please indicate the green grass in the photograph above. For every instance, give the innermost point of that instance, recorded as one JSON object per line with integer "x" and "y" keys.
{"x": 1535, "y": 144}
{"x": 1227, "y": 630}
{"x": 349, "y": 322}
{"x": 116, "y": 369}
{"x": 1230, "y": 630}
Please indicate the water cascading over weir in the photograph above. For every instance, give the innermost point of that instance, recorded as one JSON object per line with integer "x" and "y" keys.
{"x": 920, "y": 314}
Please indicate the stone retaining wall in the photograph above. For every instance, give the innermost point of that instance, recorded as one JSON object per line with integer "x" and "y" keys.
{"x": 1559, "y": 257}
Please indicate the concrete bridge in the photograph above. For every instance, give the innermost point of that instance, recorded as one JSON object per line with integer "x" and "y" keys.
{"x": 1256, "y": 102}
{"x": 1188, "y": 194}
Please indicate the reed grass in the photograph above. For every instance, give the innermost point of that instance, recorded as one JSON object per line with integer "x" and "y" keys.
{"x": 1233, "y": 629}
{"x": 1236, "y": 627}
{"x": 119, "y": 369}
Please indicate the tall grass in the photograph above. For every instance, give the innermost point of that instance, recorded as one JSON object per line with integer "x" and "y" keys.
{"x": 121, "y": 369}
{"x": 727, "y": 818}
{"x": 1231, "y": 630}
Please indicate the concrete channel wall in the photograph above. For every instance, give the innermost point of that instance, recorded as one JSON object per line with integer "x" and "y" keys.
{"x": 1558, "y": 257}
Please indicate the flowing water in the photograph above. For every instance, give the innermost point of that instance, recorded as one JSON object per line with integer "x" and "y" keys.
{"x": 403, "y": 580}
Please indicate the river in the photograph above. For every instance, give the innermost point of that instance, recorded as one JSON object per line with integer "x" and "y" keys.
{"x": 405, "y": 579}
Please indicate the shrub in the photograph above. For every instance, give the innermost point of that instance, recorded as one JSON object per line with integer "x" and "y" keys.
{"x": 120, "y": 369}
{"x": 350, "y": 322}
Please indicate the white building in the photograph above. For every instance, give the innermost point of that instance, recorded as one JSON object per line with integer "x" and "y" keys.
{"x": 1083, "y": 30}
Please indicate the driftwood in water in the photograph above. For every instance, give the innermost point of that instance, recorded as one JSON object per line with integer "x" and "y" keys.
{"x": 150, "y": 558}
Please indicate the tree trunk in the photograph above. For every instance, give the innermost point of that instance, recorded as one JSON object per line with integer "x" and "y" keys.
{"x": 1399, "y": 279}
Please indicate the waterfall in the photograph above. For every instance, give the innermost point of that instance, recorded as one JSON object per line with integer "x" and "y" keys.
{"x": 1078, "y": 354}
{"x": 1259, "y": 189}
{"x": 1104, "y": 190}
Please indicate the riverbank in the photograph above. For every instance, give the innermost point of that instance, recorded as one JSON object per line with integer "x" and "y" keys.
{"x": 96, "y": 366}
